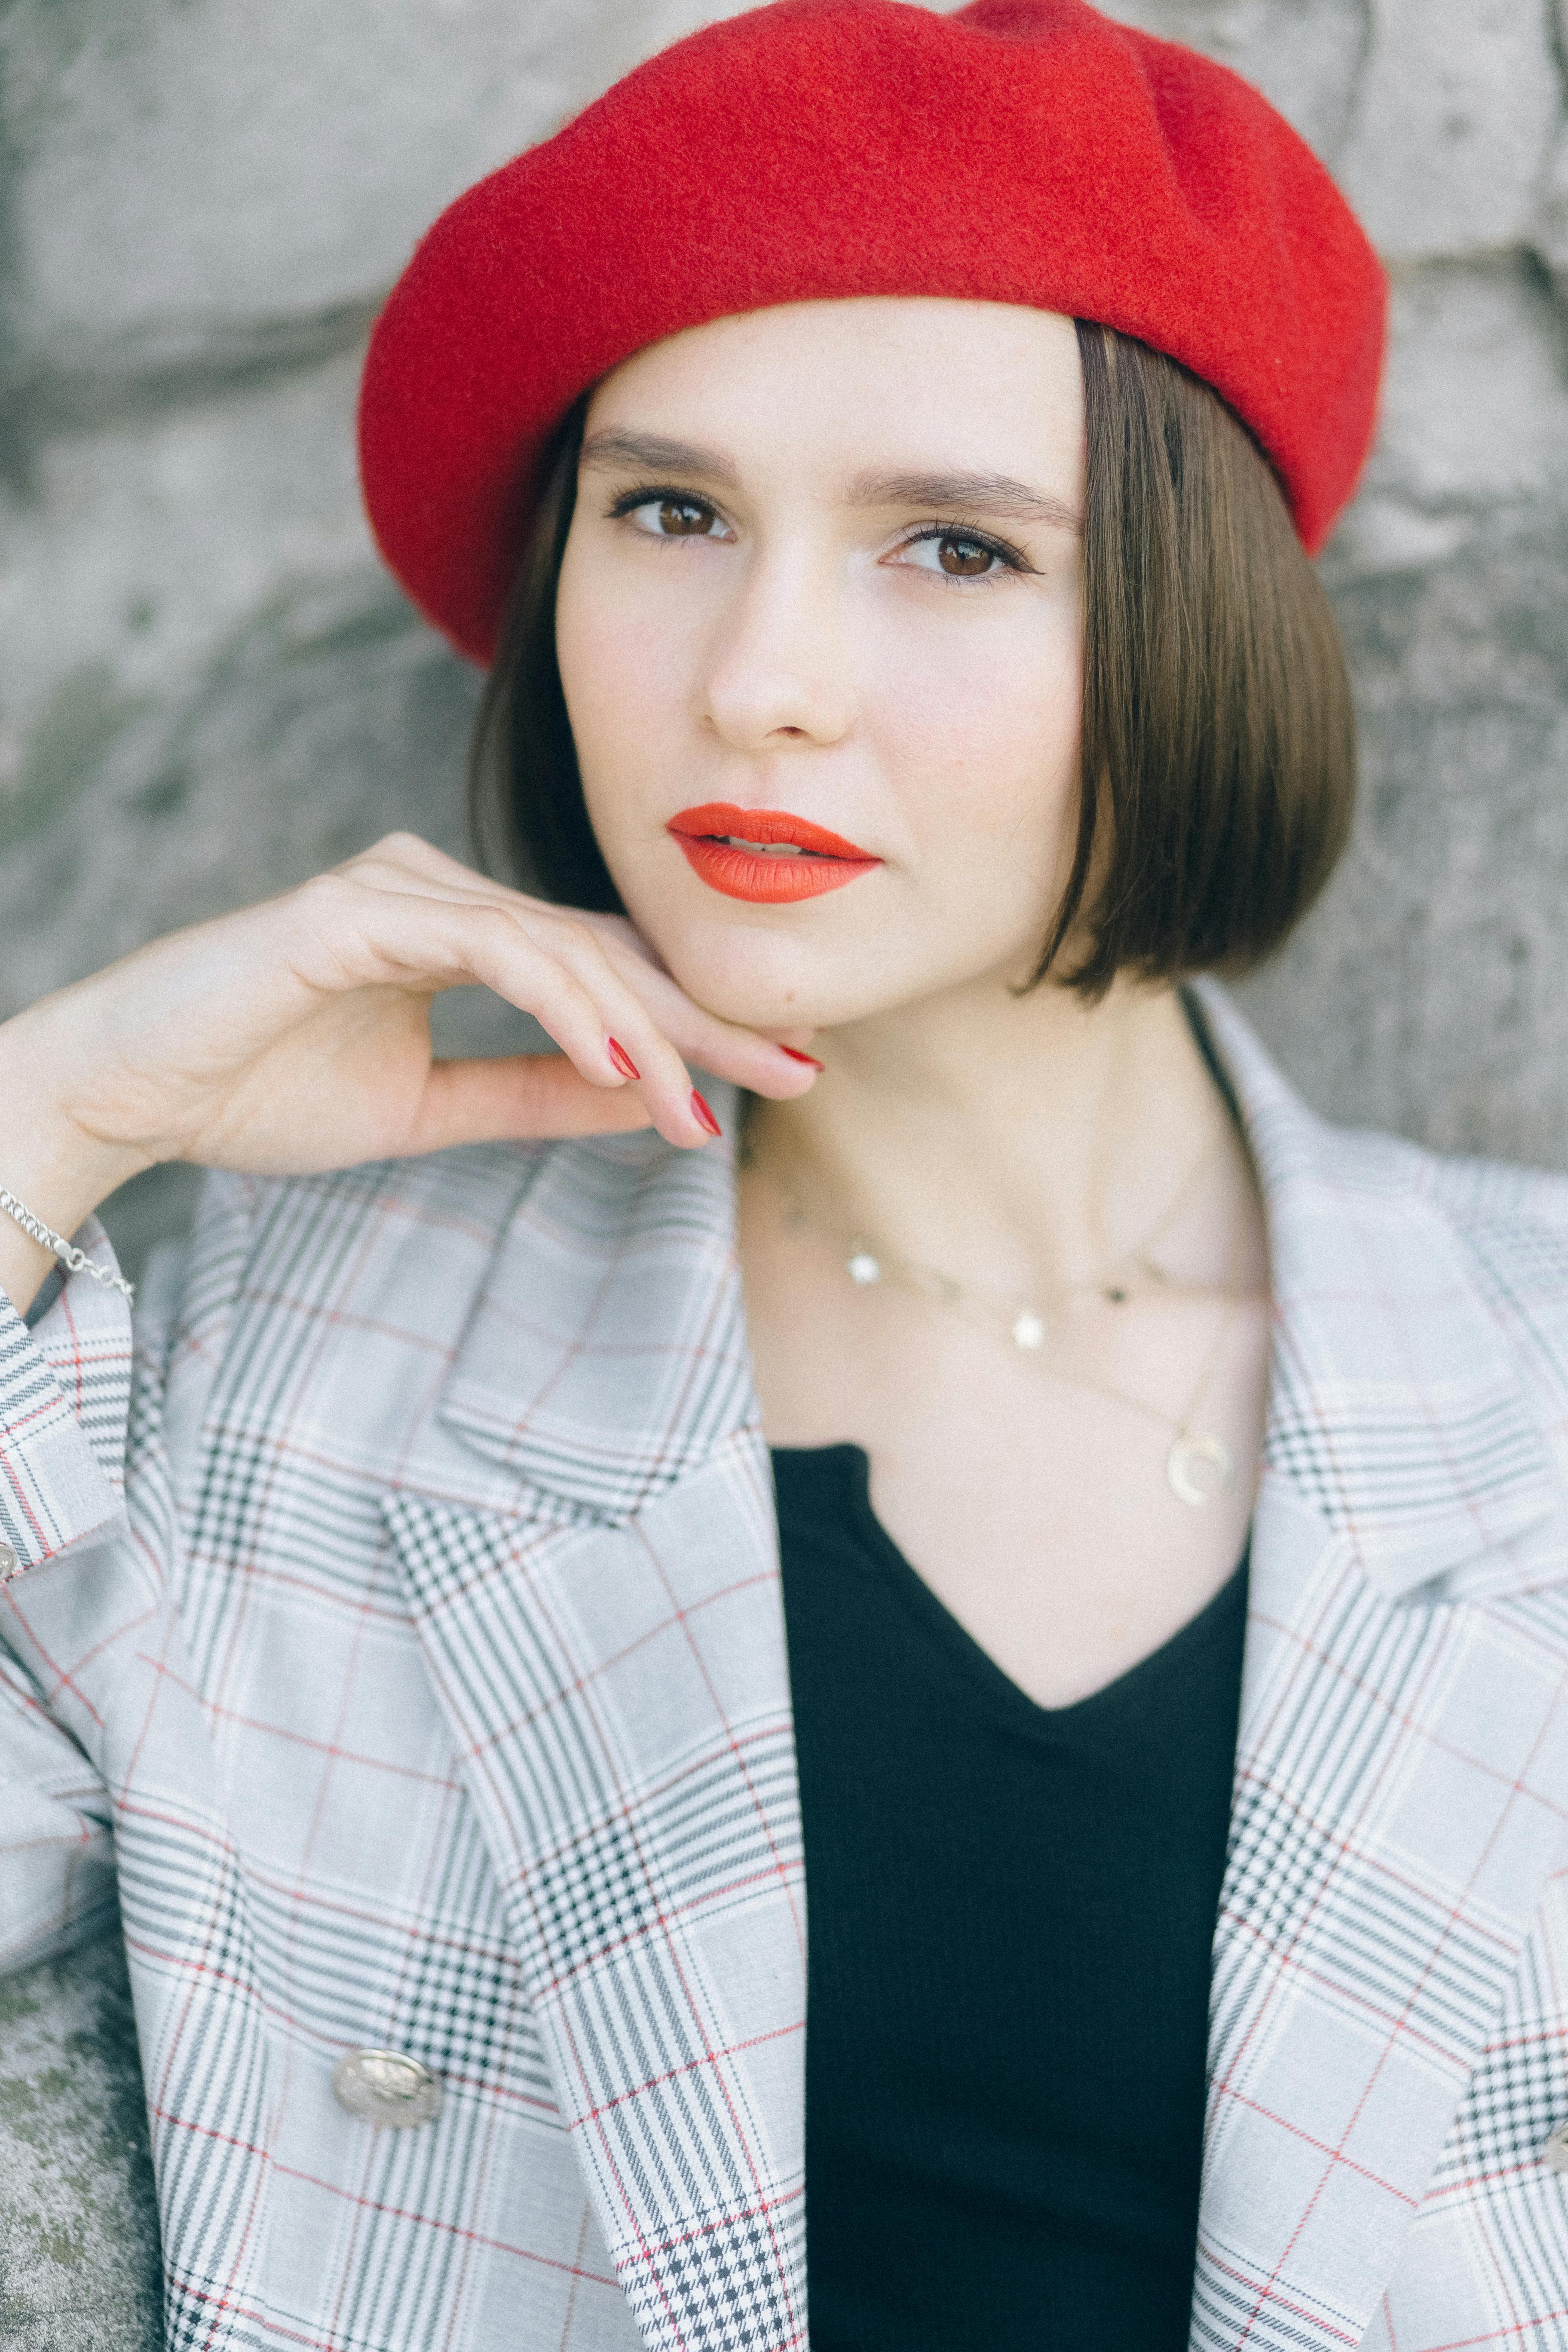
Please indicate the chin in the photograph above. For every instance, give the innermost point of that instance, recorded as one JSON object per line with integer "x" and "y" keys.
{"x": 765, "y": 979}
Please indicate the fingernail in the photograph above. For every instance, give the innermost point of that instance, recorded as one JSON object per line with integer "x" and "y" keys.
{"x": 623, "y": 1060}
{"x": 703, "y": 1116}
{"x": 809, "y": 1059}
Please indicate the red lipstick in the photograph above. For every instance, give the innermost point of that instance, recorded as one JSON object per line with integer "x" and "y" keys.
{"x": 765, "y": 854}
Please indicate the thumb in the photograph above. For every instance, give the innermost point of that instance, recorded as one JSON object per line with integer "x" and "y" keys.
{"x": 520, "y": 1097}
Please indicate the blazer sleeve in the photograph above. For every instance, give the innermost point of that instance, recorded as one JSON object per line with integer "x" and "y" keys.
{"x": 65, "y": 1395}
{"x": 85, "y": 1471}
{"x": 57, "y": 1843}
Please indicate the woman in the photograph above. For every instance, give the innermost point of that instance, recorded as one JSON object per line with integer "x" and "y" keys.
{"x": 872, "y": 447}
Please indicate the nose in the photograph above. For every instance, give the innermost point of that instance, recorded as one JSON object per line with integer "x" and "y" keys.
{"x": 781, "y": 671}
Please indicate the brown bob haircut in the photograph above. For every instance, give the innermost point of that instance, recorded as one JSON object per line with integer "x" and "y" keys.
{"x": 1218, "y": 740}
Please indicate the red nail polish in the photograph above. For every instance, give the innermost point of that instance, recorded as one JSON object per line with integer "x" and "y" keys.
{"x": 810, "y": 1059}
{"x": 703, "y": 1116}
{"x": 623, "y": 1060}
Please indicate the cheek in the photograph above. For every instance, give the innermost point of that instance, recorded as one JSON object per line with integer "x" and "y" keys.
{"x": 622, "y": 673}
{"x": 984, "y": 724}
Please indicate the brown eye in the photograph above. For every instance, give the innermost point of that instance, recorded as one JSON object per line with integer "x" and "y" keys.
{"x": 964, "y": 559}
{"x": 683, "y": 519}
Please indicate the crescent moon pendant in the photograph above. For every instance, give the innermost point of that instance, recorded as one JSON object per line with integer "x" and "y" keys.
{"x": 1199, "y": 1468}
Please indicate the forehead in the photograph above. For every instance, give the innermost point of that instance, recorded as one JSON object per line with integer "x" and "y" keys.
{"x": 835, "y": 387}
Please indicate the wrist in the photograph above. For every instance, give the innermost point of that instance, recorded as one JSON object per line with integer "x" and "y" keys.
{"x": 57, "y": 1170}
{"x": 66, "y": 1253}
{"x": 55, "y": 1203}
{"x": 59, "y": 1175}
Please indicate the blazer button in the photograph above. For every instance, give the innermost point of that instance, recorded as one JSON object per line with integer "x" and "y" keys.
{"x": 9, "y": 1561}
{"x": 382, "y": 2086}
{"x": 1554, "y": 2151}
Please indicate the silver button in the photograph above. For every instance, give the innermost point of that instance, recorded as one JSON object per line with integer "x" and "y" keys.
{"x": 382, "y": 2086}
{"x": 1554, "y": 2151}
{"x": 9, "y": 1563}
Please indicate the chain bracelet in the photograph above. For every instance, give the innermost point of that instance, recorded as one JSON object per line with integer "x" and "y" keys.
{"x": 74, "y": 1260}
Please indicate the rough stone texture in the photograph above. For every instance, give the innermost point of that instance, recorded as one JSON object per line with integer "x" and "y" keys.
{"x": 78, "y": 2239}
{"x": 209, "y": 690}
{"x": 198, "y": 180}
{"x": 1426, "y": 993}
{"x": 1455, "y": 114}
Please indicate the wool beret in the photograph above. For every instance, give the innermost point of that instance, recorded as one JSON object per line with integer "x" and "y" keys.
{"x": 1021, "y": 150}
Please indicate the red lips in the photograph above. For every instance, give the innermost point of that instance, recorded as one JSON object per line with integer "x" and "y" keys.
{"x": 767, "y": 876}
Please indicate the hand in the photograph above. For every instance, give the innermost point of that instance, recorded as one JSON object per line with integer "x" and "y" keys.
{"x": 295, "y": 1035}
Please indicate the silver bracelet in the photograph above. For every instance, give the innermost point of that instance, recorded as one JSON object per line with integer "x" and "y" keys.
{"x": 74, "y": 1260}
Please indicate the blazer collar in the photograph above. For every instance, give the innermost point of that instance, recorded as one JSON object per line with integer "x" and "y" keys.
{"x": 607, "y": 1356}
{"x": 1395, "y": 1410}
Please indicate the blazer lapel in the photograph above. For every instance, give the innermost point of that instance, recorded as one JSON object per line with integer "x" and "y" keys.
{"x": 607, "y": 1638}
{"x": 1402, "y": 1736}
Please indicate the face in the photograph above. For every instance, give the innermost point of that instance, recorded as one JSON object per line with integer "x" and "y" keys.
{"x": 819, "y": 627}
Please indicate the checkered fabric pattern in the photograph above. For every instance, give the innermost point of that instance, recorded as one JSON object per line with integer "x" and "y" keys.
{"x": 429, "y": 1692}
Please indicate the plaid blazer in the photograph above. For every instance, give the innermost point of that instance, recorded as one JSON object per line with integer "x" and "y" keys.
{"x": 414, "y": 1669}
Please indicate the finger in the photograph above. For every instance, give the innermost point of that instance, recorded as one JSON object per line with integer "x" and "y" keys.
{"x": 774, "y": 1064}
{"x": 678, "y": 1111}
{"x": 558, "y": 975}
{"x": 443, "y": 943}
{"x": 406, "y": 857}
{"x": 520, "y": 1097}
{"x": 401, "y": 861}
{"x": 555, "y": 964}
{"x": 354, "y": 935}
{"x": 779, "y": 1066}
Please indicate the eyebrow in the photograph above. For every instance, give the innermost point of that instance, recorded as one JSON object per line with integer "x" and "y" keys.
{"x": 654, "y": 455}
{"x": 994, "y": 495}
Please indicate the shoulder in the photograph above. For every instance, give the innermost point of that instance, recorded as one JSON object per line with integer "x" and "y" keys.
{"x": 356, "y": 1319}
{"x": 1512, "y": 1225}
{"x": 1505, "y": 1241}
{"x": 321, "y": 1313}
{"x": 1494, "y": 1196}
{"x": 1510, "y": 1222}
{"x": 429, "y": 1226}
{"x": 411, "y": 1244}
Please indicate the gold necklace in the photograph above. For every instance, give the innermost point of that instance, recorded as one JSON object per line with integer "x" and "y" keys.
{"x": 1199, "y": 1465}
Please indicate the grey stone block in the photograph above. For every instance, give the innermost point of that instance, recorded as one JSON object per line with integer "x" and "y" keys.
{"x": 326, "y": 721}
{"x": 191, "y": 177}
{"x": 1429, "y": 993}
{"x": 1456, "y": 113}
{"x": 1475, "y": 401}
{"x": 78, "y": 2233}
{"x": 1548, "y": 235}
{"x": 145, "y": 546}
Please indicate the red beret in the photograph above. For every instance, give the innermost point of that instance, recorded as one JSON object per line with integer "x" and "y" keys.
{"x": 1023, "y": 151}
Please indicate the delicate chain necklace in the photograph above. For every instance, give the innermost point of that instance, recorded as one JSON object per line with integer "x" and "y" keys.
{"x": 1199, "y": 1465}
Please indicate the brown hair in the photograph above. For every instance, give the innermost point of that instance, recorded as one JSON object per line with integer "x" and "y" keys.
{"x": 1218, "y": 741}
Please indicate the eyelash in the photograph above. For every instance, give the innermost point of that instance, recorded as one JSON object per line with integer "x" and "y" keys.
{"x": 1010, "y": 558}
{"x": 648, "y": 494}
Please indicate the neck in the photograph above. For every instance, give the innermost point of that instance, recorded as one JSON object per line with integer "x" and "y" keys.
{"x": 1030, "y": 1140}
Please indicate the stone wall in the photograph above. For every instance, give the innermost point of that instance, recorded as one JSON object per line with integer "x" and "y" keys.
{"x": 207, "y": 689}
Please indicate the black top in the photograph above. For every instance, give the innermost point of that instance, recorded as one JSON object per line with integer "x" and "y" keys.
{"x": 1010, "y": 1910}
